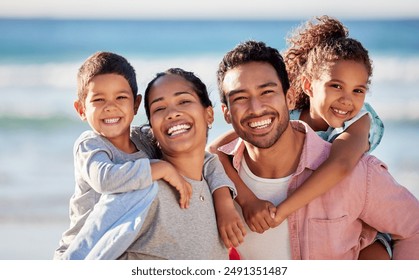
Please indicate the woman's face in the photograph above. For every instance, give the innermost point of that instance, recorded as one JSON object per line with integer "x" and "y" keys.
{"x": 178, "y": 119}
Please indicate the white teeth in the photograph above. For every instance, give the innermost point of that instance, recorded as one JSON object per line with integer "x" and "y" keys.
{"x": 260, "y": 124}
{"x": 114, "y": 120}
{"x": 340, "y": 111}
{"x": 177, "y": 129}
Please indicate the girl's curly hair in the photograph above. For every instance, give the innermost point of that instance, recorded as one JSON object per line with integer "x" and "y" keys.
{"x": 314, "y": 47}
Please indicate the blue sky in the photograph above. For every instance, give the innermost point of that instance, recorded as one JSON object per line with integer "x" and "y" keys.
{"x": 206, "y": 9}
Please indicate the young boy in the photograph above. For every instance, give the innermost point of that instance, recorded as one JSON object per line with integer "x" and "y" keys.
{"x": 113, "y": 157}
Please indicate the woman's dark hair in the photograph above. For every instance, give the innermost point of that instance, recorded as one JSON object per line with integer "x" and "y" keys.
{"x": 197, "y": 85}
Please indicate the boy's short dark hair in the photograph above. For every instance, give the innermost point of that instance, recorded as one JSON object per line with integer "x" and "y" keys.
{"x": 251, "y": 51}
{"x": 104, "y": 63}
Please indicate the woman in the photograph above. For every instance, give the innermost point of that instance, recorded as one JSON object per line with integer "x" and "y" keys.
{"x": 180, "y": 112}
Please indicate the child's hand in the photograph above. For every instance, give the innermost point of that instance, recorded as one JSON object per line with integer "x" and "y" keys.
{"x": 259, "y": 214}
{"x": 179, "y": 183}
{"x": 168, "y": 173}
{"x": 279, "y": 216}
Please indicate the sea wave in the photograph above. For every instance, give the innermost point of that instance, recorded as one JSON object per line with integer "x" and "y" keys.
{"x": 39, "y": 91}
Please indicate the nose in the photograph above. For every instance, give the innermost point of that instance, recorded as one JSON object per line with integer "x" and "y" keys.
{"x": 172, "y": 113}
{"x": 256, "y": 105}
{"x": 346, "y": 99}
{"x": 110, "y": 105}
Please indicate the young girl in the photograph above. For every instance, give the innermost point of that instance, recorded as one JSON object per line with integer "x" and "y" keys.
{"x": 329, "y": 76}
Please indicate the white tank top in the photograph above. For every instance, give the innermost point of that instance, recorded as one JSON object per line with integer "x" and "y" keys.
{"x": 274, "y": 243}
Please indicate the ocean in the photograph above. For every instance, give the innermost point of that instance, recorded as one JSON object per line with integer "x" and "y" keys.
{"x": 38, "y": 125}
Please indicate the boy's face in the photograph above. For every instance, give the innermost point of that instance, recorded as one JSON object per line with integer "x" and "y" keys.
{"x": 257, "y": 107}
{"x": 109, "y": 107}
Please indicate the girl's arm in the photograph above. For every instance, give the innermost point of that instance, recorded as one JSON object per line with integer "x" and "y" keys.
{"x": 258, "y": 214}
{"x": 345, "y": 153}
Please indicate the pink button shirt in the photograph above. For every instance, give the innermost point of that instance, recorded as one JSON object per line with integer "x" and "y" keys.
{"x": 338, "y": 224}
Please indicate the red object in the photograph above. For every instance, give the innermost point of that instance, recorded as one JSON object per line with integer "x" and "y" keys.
{"x": 233, "y": 254}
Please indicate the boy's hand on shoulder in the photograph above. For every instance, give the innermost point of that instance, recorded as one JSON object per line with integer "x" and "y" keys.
{"x": 168, "y": 173}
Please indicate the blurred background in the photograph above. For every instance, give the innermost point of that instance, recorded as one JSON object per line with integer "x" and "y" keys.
{"x": 43, "y": 42}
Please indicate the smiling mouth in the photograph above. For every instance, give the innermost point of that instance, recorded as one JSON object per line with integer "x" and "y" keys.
{"x": 260, "y": 124}
{"x": 178, "y": 129}
{"x": 340, "y": 112}
{"x": 111, "y": 121}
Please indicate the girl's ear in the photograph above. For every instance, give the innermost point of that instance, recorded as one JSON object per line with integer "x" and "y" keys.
{"x": 226, "y": 113}
{"x": 306, "y": 83}
{"x": 80, "y": 110}
{"x": 137, "y": 103}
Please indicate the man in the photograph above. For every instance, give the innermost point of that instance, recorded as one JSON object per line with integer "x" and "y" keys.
{"x": 274, "y": 156}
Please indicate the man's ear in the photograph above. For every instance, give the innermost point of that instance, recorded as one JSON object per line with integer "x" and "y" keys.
{"x": 306, "y": 84}
{"x": 137, "y": 103}
{"x": 80, "y": 110}
{"x": 226, "y": 113}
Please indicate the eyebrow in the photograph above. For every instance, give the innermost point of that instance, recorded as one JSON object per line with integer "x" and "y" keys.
{"x": 365, "y": 86}
{"x": 179, "y": 93}
{"x": 265, "y": 85}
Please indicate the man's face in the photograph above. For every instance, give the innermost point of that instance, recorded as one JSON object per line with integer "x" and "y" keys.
{"x": 256, "y": 103}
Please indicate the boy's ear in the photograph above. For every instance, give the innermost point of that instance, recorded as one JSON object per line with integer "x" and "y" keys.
{"x": 306, "y": 83}
{"x": 137, "y": 103}
{"x": 80, "y": 110}
{"x": 226, "y": 113}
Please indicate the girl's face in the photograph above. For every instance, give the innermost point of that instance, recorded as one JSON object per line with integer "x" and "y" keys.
{"x": 338, "y": 95}
{"x": 178, "y": 119}
{"x": 109, "y": 107}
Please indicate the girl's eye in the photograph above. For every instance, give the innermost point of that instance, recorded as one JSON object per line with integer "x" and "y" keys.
{"x": 98, "y": 100}
{"x": 361, "y": 91}
{"x": 336, "y": 86}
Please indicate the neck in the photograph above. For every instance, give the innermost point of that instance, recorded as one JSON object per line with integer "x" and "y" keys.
{"x": 188, "y": 164}
{"x": 315, "y": 122}
{"x": 278, "y": 161}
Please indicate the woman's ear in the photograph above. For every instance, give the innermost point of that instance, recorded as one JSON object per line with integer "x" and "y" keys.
{"x": 137, "y": 103}
{"x": 80, "y": 110}
{"x": 210, "y": 112}
{"x": 306, "y": 84}
{"x": 226, "y": 113}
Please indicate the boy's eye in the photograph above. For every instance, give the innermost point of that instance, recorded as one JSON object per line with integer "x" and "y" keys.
{"x": 98, "y": 100}
{"x": 122, "y": 97}
{"x": 336, "y": 86}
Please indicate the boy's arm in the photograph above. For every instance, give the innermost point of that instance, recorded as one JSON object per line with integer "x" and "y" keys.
{"x": 345, "y": 153}
{"x": 257, "y": 213}
{"x": 107, "y": 177}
